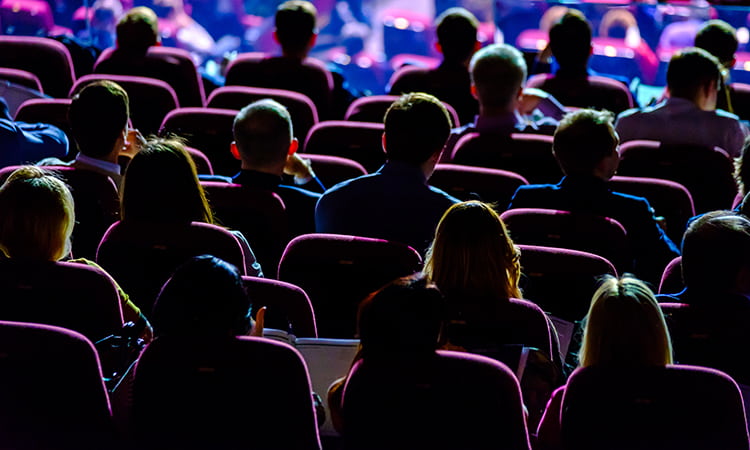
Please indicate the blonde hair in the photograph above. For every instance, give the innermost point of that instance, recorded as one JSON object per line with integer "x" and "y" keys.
{"x": 36, "y": 216}
{"x": 625, "y": 326}
{"x": 473, "y": 253}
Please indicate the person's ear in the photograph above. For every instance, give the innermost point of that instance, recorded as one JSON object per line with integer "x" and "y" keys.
{"x": 477, "y": 46}
{"x": 235, "y": 151}
{"x": 276, "y": 37}
{"x": 474, "y": 91}
{"x": 438, "y": 47}
{"x": 293, "y": 146}
{"x": 260, "y": 321}
{"x": 313, "y": 40}
{"x": 382, "y": 141}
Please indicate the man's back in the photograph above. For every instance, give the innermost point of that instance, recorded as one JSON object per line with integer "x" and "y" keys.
{"x": 680, "y": 121}
{"x": 651, "y": 246}
{"x": 394, "y": 203}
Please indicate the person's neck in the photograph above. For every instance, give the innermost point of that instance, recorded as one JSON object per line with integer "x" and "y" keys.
{"x": 494, "y": 111}
{"x": 268, "y": 170}
{"x": 297, "y": 56}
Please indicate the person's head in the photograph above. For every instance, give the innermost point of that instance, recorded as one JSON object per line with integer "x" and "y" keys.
{"x": 204, "y": 297}
{"x": 403, "y": 317}
{"x": 694, "y": 74}
{"x": 417, "y": 125}
{"x": 719, "y": 39}
{"x": 36, "y": 216}
{"x": 161, "y": 185}
{"x": 498, "y": 73}
{"x": 98, "y": 118}
{"x": 138, "y": 30}
{"x": 263, "y": 136}
{"x": 570, "y": 39}
{"x": 457, "y": 34}
{"x": 473, "y": 254}
{"x": 296, "y": 27}
{"x": 716, "y": 254}
{"x": 585, "y": 143}
{"x": 625, "y": 327}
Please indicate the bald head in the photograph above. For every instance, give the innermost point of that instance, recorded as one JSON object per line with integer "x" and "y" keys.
{"x": 263, "y": 135}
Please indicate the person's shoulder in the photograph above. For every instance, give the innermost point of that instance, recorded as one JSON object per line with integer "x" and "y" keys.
{"x": 631, "y": 202}
{"x": 298, "y": 191}
{"x": 726, "y": 115}
{"x": 442, "y": 195}
{"x": 347, "y": 185}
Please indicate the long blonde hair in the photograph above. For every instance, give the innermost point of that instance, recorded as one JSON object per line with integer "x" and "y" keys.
{"x": 625, "y": 326}
{"x": 473, "y": 253}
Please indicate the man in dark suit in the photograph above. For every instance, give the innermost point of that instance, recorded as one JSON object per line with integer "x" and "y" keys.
{"x": 265, "y": 144}
{"x": 585, "y": 146}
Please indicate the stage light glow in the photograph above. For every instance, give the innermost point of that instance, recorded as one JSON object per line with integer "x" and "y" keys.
{"x": 610, "y": 51}
{"x": 743, "y": 35}
{"x": 401, "y": 23}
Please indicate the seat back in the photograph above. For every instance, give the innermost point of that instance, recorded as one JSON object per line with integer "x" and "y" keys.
{"x": 373, "y": 107}
{"x": 389, "y": 405}
{"x": 300, "y": 107}
{"x": 150, "y": 99}
{"x": 477, "y": 183}
{"x": 259, "y": 214}
{"x": 671, "y": 279}
{"x": 529, "y": 155}
{"x": 585, "y": 232}
{"x": 592, "y": 92}
{"x": 53, "y": 111}
{"x": 311, "y": 77}
{"x": 332, "y": 170}
{"x": 739, "y": 94}
{"x": 359, "y": 141}
{"x": 339, "y": 271}
{"x": 44, "y": 57}
{"x": 69, "y": 295}
{"x": 706, "y": 172}
{"x": 561, "y": 281}
{"x": 685, "y": 407}
{"x": 208, "y": 130}
{"x": 52, "y": 390}
{"x": 96, "y": 202}
{"x": 202, "y": 163}
{"x": 228, "y": 394}
{"x": 141, "y": 256}
{"x": 288, "y": 306}
{"x": 21, "y": 77}
{"x": 670, "y": 200}
{"x": 175, "y": 66}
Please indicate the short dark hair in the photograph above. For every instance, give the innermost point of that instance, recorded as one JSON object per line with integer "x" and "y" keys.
{"x": 582, "y": 139}
{"x": 690, "y": 70}
{"x": 263, "y": 131}
{"x": 714, "y": 249}
{"x": 98, "y": 114}
{"x": 295, "y": 24}
{"x": 570, "y": 39}
{"x": 719, "y": 39}
{"x": 417, "y": 125}
{"x": 204, "y": 297}
{"x": 497, "y": 71}
{"x": 138, "y": 30}
{"x": 457, "y": 33}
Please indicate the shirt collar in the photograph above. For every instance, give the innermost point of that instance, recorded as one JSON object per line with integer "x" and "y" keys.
{"x": 403, "y": 169}
{"x": 497, "y": 124}
{"x": 101, "y": 164}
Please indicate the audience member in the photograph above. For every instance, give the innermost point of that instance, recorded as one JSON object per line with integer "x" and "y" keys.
{"x": 296, "y": 32}
{"x": 161, "y": 185}
{"x": 450, "y": 82}
{"x": 623, "y": 328}
{"x": 720, "y": 39}
{"x": 137, "y": 32}
{"x": 38, "y": 216}
{"x": 98, "y": 117}
{"x": 205, "y": 298}
{"x": 585, "y": 146}
{"x": 689, "y": 114}
{"x": 570, "y": 44}
{"x": 742, "y": 169}
{"x": 265, "y": 144}
{"x": 715, "y": 268}
{"x": 395, "y": 203}
{"x": 498, "y": 73}
{"x": 28, "y": 142}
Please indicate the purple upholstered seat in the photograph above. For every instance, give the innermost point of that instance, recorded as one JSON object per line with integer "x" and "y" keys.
{"x": 360, "y": 141}
{"x": 373, "y": 107}
{"x": 469, "y": 182}
{"x": 53, "y": 111}
{"x": 289, "y": 307}
{"x": 332, "y": 170}
{"x": 671, "y": 279}
{"x": 22, "y": 78}
{"x": 46, "y": 58}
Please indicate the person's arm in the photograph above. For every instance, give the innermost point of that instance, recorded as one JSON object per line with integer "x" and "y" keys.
{"x": 37, "y": 140}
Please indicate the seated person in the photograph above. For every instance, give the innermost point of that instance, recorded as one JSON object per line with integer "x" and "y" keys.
{"x": 498, "y": 74}
{"x": 624, "y": 327}
{"x": 715, "y": 268}
{"x": 720, "y": 39}
{"x": 395, "y": 203}
{"x": 98, "y": 117}
{"x": 450, "y": 82}
{"x": 585, "y": 146}
{"x": 265, "y": 144}
{"x": 689, "y": 115}
{"x": 28, "y": 142}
